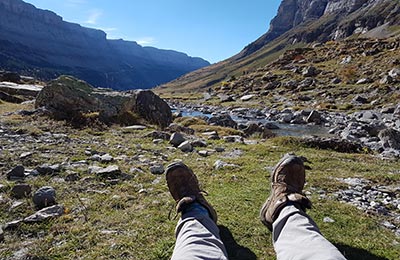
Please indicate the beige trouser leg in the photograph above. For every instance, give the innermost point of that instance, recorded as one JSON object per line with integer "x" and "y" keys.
{"x": 197, "y": 237}
{"x": 296, "y": 236}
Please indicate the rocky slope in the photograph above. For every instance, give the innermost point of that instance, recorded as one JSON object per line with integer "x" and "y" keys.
{"x": 40, "y": 43}
{"x": 297, "y": 23}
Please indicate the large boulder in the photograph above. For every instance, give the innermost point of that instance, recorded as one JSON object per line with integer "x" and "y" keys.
{"x": 67, "y": 98}
{"x": 390, "y": 138}
{"x": 223, "y": 120}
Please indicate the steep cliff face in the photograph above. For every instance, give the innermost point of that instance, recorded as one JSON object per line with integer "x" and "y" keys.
{"x": 337, "y": 19}
{"x": 39, "y": 42}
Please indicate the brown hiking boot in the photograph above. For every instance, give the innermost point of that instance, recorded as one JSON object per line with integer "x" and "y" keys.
{"x": 287, "y": 183}
{"x": 184, "y": 188}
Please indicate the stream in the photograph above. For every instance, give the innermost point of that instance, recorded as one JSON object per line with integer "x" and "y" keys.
{"x": 296, "y": 130}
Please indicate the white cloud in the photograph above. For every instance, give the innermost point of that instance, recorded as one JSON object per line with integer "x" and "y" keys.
{"x": 146, "y": 40}
{"x": 94, "y": 15}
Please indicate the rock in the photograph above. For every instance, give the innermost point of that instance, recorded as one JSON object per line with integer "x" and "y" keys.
{"x": 388, "y": 110}
{"x": 328, "y": 220}
{"x": 46, "y": 169}
{"x": 390, "y": 138}
{"x": 12, "y": 224}
{"x": 176, "y": 139}
{"x": 67, "y": 98}
{"x": 396, "y": 112}
{"x": 360, "y": 99}
{"x": 1, "y": 235}
{"x": 105, "y": 158}
{"x": 44, "y": 197}
{"x": 212, "y": 135}
{"x": 386, "y": 80}
{"x": 225, "y": 98}
{"x": 185, "y": 147}
{"x": 246, "y": 98}
{"x": 394, "y": 73}
{"x": 198, "y": 143}
{"x": 388, "y": 225}
{"x": 219, "y": 149}
{"x": 16, "y": 205}
{"x": 159, "y": 135}
{"x": 367, "y": 116}
{"x": 157, "y": 141}
{"x": 17, "y": 173}
{"x": 234, "y": 139}
{"x": 157, "y": 169}
{"x": 203, "y": 153}
{"x": 254, "y": 128}
{"x": 72, "y": 177}
{"x": 111, "y": 172}
{"x": 220, "y": 164}
{"x": 336, "y": 81}
{"x": 314, "y": 117}
{"x": 25, "y": 155}
{"x": 310, "y": 71}
{"x": 135, "y": 127}
{"x": 180, "y": 129}
{"x": 346, "y": 60}
{"x": 46, "y": 213}
{"x": 363, "y": 81}
{"x": 20, "y": 191}
{"x": 223, "y": 120}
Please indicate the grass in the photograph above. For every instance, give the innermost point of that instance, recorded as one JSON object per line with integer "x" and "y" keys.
{"x": 105, "y": 220}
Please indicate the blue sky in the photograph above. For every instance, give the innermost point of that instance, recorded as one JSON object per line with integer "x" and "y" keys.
{"x": 211, "y": 29}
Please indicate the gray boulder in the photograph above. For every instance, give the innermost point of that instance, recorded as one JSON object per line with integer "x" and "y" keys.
{"x": 20, "y": 191}
{"x": 46, "y": 213}
{"x": 157, "y": 169}
{"x": 44, "y": 197}
{"x": 310, "y": 72}
{"x": 394, "y": 73}
{"x": 185, "y": 147}
{"x": 74, "y": 100}
{"x": 110, "y": 172}
{"x": 176, "y": 139}
{"x": 315, "y": 117}
{"x": 223, "y": 120}
{"x": 390, "y": 138}
{"x": 17, "y": 173}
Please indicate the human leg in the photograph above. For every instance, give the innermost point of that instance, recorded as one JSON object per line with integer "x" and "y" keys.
{"x": 295, "y": 234}
{"x": 197, "y": 234}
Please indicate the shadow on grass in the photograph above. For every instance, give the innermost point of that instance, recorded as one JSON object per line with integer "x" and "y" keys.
{"x": 353, "y": 253}
{"x": 235, "y": 251}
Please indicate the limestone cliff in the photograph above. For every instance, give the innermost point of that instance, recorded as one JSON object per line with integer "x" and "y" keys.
{"x": 39, "y": 42}
{"x": 322, "y": 20}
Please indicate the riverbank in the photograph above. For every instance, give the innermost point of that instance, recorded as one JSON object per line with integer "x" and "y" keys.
{"x": 375, "y": 130}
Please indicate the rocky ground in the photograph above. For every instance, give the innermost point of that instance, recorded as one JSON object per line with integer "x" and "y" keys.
{"x": 100, "y": 193}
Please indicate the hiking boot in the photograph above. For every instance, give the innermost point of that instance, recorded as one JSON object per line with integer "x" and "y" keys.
{"x": 184, "y": 188}
{"x": 287, "y": 183}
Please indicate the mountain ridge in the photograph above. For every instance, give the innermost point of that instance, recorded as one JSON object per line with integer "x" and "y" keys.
{"x": 299, "y": 22}
{"x": 40, "y": 42}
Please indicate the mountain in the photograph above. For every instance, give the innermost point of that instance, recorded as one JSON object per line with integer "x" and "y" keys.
{"x": 297, "y": 23}
{"x": 38, "y": 42}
